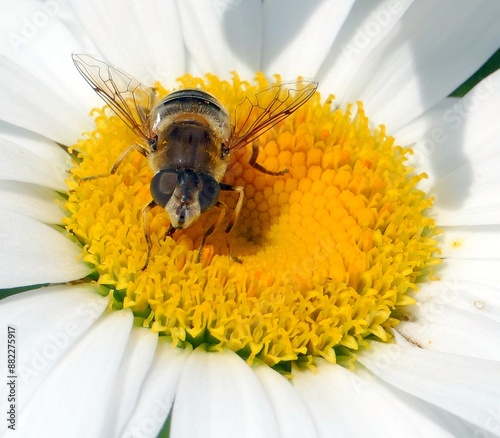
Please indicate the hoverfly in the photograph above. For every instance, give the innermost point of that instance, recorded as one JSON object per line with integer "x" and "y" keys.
{"x": 188, "y": 139}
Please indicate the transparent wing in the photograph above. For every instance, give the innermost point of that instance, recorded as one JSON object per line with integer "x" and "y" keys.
{"x": 127, "y": 97}
{"x": 258, "y": 114}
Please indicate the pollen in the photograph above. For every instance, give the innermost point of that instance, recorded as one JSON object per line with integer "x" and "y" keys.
{"x": 330, "y": 250}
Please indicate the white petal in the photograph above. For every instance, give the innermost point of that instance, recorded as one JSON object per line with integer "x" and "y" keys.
{"x": 457, "y": 149}
{"x": 468, "y": 194}
{"x": 434, "y": 325}
{"x": 157, "y": 392}
{"x": 149, "y": 37}
{"x": 34, "y": 253}
{"x": 37, "y": 144}
{"x": 358, "y": 404}
{"x": 458, "y": 384}
{"x": 292, "y": 415}
{"x": 40, "y": 43}
{"x": 226, "y": 396}
{"x": 299, "y": 35}
{"x": 482, "y": 241}
{"x": 48, "y": 321}
{"x": 137, "y": 358}
{"x": 473, "y": 297}
{"x": 223, "y": 36}
{"x": 425, "y": 59}
{"x": 192, "y": 66}
{"x": 51, "y": 116}
{"x": 459, "y": 271}
{"x": 20, "y": 164}
{"x": 468, "y": 184}
{"x": 365, "y": 27}
{"x": 81, "y": 384}
{"x": 36, "y": 202}
{"x": 420, "y": 134}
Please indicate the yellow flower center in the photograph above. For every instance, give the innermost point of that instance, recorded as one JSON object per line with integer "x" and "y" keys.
{"x": 330, "y": 250}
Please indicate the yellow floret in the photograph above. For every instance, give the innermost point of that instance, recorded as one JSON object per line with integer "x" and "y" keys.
{"x": 330, "y": 250}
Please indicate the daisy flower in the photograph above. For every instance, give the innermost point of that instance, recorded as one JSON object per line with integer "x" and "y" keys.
{"x": 366, "y": 301}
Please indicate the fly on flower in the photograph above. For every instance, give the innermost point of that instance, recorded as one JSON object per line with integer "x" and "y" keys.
{"x": 188, "y": 138}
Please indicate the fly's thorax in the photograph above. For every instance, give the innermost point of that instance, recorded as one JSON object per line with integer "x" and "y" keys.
{"x": 193, "y": 129}
{"x": 189, "y": 143}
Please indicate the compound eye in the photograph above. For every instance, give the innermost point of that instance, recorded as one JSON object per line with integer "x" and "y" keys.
{"x": 162, "y": 186}
{"x": 209, "y": 192}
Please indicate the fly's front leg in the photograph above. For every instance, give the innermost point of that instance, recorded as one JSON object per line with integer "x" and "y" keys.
{"x": 147, "y": 236}
{"x": 170, "y": 232}
{"x": 254, "y": 164}
{"x": 234, "y": 216}
{"x": 134, "y": 147}
{"x": 212, "y": 228}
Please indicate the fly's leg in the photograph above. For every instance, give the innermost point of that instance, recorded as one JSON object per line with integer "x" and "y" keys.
{"x": 134, "y": 147}
{"x": 147, "y": 236}
{"x": 212, "y": 228}
{"x": 170, "y": 232}
{"x": 254, "y": 164}
{"x": 234, "y": 216}
{"x": 144, "y": 213}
